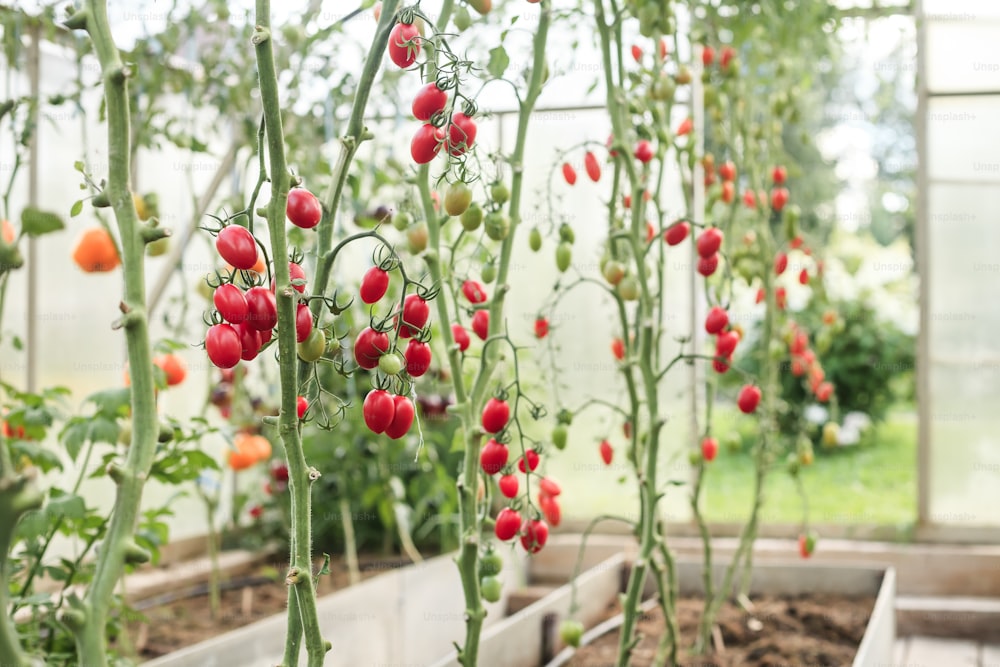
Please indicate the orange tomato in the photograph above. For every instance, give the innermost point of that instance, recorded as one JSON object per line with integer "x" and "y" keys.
{"x": 174, "y": 368}
{"x": 250, "y": 449}
{"x": 95, "y": 251}
{"x": 8, "y": 231}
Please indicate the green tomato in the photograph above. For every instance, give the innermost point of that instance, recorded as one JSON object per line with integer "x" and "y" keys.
{"x": 489, "y": 273}
{"x": 457, "y": 198}
{"x": 497, "y": 225}
{"x": 491, "y": 588}
{"x": 500, "y": 193}
{"x": 535, "y": 239}
{"x": 564, "y": 255}
{"x": 390, "y": 363}
{"x": 559, "y": 436}
{"x": 472, "y": 217}
{"x": 158, "y": 247}
{"x": 313, "y": 347}
{"x": 628, "y": 288}
{"x": 490, "y": 564}
{"x": 571, "y": 632}
{"x": 462, "y": 19}
{"x": 401, "y": 220}
{"x": 614, "y": 272}
{"x": 566, "y": 233}
{"x": 416, "y": 238}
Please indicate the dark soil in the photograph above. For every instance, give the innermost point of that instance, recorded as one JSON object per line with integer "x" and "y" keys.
{"x": 810, "y": 631}
{"x": 168, "y": 627}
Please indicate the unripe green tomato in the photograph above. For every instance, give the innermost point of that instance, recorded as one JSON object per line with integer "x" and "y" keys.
{"x": 566, "y": 233}
{"x": 390, "y": 363}
{"x": 472, "y": 217}
{"x": 683, "y": 75}
{"x": 499, "y": 193}
{"x": 158, "y": 247}
{"x": 694, "y": 457}
{"x": 491, "y": 588}
{"x": 570, "y": 632}
{"x": 125, "y": 433}
{"x": 733, "y": 441}
{"x": 497, "y": 225}
{"x": 462, "y": 19}
{"x": 401, "y": 220}
{"x": 332, "y": 347}
{"x": 489, "y": 273}
{"x": 559, "y": 436}
{"x": 628, "y": 288}
{"x": 313, "y": 347}
{"x": 564, "y": 255}
{"x": 663, "y": 88}
{"x": 535, "y": 239}
{"x": 457, "y": 198}
{"x": 711, "y": 96}
{"x": 490, "y": 564}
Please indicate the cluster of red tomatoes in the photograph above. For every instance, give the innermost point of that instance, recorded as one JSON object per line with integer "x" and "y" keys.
{"x": 804, "y": 362}
{"x": 249, "y": 317}
{"x": 429, "y": 104}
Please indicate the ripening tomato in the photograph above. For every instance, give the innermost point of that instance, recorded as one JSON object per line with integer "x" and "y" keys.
{"x": 618, "y": 348}
{"x": 236, "y": 245}
{"x": 461, "y": 337}
{"x": 508, "y": 523}
{"x": 716, "y": 320}
{"x": 474, "y": 291}
{"x": 748, "y": 398}
{"x": 780, "y": 263}
{"x": 369, "y": 347}
{"x": 550, "y": 508}
{"x": 404, "y": 44}
{"x": 780, "y": 298}
{"x": 428, "y": 101}
{"x": 481, "y": 323}
{"x": 418, "y": 357}
{"x": 402, "y": 417}
{"x": 726, "y": 56}
{"x": 676, "y": 233}
{"x": 607, "y": 452}
{"x": 709, "y": 448}
{"x": 685, "y": 127}
{"x": 643, "y": 151}
{"x": 262, "y": 310}
{"x": 592, "y": 166}
{"x": 493, "y": 457}
{"x": 803, "y": 277}
{"x": 708, "y": 265}
{"x": 416, "y": 312}
{"x": 727, "y": 171}
{"x": 496, "y": 414}
{"x": 534, "y": 535}
{"x": 569, "y": 173}
{"x": 374, "y": 284}
{"x": 250, "y": 341}
{"x": 303, "y": 208}
{"x": 532, "y": 461}
{"x": 426, "y": 143}
{"x": 541, "y": 327}
{"x": 728, "y": 192}
{"x": 173, "y": 367}
{"x": 461, "y": 133}
{"x": 379, "y": 410}
{"x": 709, "y": 242}
{"x": 222, "y": 344}
{"x": 749, "y": 199}
{"x": 636, "y": 53}
{"x": 508, "y": 486}
{"x": 707, "y": 55}
{"x": 824, "y": 391}
{"x": 303, "y": 322}
{"x": 231, "y": 304}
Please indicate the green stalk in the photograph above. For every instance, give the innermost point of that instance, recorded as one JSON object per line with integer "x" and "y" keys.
{"x": 89, "y": 618}
{"x": 18, "y": 495}
{"x": 302, "y": 594}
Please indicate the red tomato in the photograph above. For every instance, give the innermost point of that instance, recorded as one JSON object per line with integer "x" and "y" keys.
{"x": 708, "y": 265}
{"x": 303, "y": 322}
{"x": 534, "y": 535}
{"x": 676, "y": 233}
{"x": 426, "y": 143}
{"x": 748, "y": 398}
{"x": 250, "y": 341}
{"x": 824, "y": 391}
{"x": 481, "y": 323}
{"x": 779, "y": 174}
{"x": 803, "y": 277}
{"x": 173, "y": 368}
{"x": 707, "y": 55}
{"x": 379, "y": 410}
{"x": 418, "y": 357}
{"x": 779, "y": 197}
{"x": 303, "y": 208}
{"x": 709, "y": 448}
{"x": 618, "y": 348}
{"x": 416, "y": 312}
{"x": 236, "y": 245}
{"x": 508, "y": 486}
{"x": 685, "y": 127}
{"x": 262, "y": 309}
{"x": 374, "y": 284}
{"x": 716, "y": 320}
{"x": 532, "y": 461}
{"x": 726, "y": 56}
{"x": 402, "y": 417}
{"x": 569, "y": 173}
{"x": 721, "y": 365}
{"x": 496, "y": 414}
{"x": 461, "y": 337}
{"x": 550, "y": 508}
{"x": 749, "y": 200}
{"x": 728, "y": 192}
{"x": 725, "y": 343}
{"x": 369, "y": 347}
{"x": 474, "y": 291}
{"x": 709, "y": 242}
{"x": 780, "y": 263}
{"x": 428, "y": 101}
{"x": 230, "y": 303}
{"x": 607, "y": 452}
{"x": 222, "y": 344}
{"x": 549, "y": 487}
{"x": 508, "y": 523}
{"x": 541, "y": 327}
{"x": 493, "y": 457}
{"x": 780, "y": 296}
{"x": 727, "y": 171}
{"x": 636, "y": 53}
{"x": 295, "y": 272}
{"x": 643, "y": 151}
{"x": 592, "y": 166}
{"x": 461, "y": 134}
{"x": 404, "y": 44}
{"x": 301, "y": 406}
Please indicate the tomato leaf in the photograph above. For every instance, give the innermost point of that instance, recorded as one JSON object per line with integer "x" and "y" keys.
{"x": 77, "y": 208}
{"x": 325, "y": 569}
{"x": 499, "y": 60}
{"x": 78, "y": 165}
{"x": 36, "y": 222}
{"x": 67, "y": 506}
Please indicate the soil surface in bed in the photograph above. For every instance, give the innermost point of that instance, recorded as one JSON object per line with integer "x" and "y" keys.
{"x": 802, "y": 631}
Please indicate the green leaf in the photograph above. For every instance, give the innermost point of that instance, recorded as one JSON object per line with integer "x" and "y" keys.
{"x": 499, "y": 60}
{"x": 36, "y": 222}
{"x": 78, "y": 165}
{"x": 111, "y": 402}
{"x": 77, "y": 208}
{"x": 457, "y": 441}
{"x": 73, "y": 436}
{"x": 325, "y": 569}
{"x": 103, "y": 429}
{"x": 68, "y": 506}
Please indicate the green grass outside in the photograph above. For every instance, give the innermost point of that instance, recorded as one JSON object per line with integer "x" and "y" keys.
{"x": 873, "y": 482}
